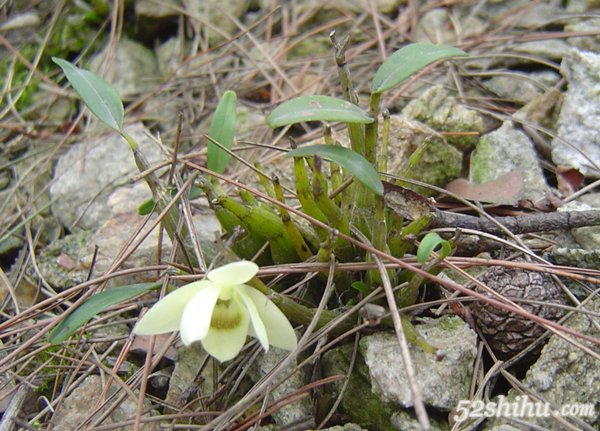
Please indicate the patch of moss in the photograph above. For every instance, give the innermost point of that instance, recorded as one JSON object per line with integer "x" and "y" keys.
{"x": 18, "y": 72}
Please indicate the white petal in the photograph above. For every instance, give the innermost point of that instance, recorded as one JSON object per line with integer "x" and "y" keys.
{"x": 259, "y": 330}
{"x": 197, "y": 315}
{"x": 233, "y": 273}
{"x": 165, "y": 315}
{"x": 279, "y": 330}
{"x": 225, "y": 344}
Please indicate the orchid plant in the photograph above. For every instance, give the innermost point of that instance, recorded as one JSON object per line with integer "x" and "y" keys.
{"x": 223, "y": 310}
{"x": 220, "y": 312}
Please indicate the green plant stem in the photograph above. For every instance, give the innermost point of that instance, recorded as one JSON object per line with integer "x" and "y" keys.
{"x": 382, "y": 156}
{"x": 356, "y": 132}
{"x": 163, "y": 197}
{"x": 371, "y": 129}
{"x": 264, "y": 180}
{"x": 299, "y": 244}
{"x": 320, "y": 189}
{"x": 305, "y": 196}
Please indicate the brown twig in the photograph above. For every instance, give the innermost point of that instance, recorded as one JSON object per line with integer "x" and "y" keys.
{"x": 535, "y": 222}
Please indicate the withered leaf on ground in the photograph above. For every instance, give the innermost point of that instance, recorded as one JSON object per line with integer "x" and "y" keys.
{"x": 505, "y": 190}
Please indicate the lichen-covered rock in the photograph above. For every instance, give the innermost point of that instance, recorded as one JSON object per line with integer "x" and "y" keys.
{"x": 577, "y": 144}
{"x": 377, "y": 391}
{"x": 443, "y": 383}
{"x": 505, "y": 150}
{"x": 443, "y": 113}
{"x": 439, "y": 163}
{"x": 359, "y": 402}
{"x": 576, "y": 257}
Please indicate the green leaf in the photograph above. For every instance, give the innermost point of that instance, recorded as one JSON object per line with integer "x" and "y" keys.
{"x": 350, "y": 160}
{"x": 95, "y": 305}
{"x": 429, "y": 243}
{"x": 222, "y": 130}
{"x": 317, "y": 108}
{"x": 361, "y": 287}
{"x": 409, "y": 60}
{"x": 146, "y": 207}
{"x": 98, "y": 95}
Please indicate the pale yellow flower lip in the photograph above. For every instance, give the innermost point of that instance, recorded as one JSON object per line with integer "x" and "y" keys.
{"x": 221, "y": 312}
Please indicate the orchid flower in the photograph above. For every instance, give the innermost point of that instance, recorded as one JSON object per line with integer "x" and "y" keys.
{"x": 220, "y": 312}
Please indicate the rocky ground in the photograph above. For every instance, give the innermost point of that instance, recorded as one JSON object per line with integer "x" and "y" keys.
{"x": 514, "y": 128}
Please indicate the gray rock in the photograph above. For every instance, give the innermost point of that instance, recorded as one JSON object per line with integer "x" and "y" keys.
{"x": 521, "y": 13}
{"x": 404, "y": 421}
{"x": 79, "y": 404}
{"x": 588, "y": 238}
{"x": 294, "y": 413}
{"x": 359, "y": 6}
{"x": 505, "y": 150}
{"x": 152, "y": 9}
{"x": 60, "y": 263}
{"x": 443, "y": 113}
{"x": 443, "y": 383}
{"x": 134, "y": 69}
{"x": 565, "y": 375}
{"x": 345, "y": 427}
{"x": 576, "y": 257}
{"x": 552, "y": 49}
{"x": 581, "y": 246}
{"x": 584, "y": 43}
{"x": 435, "y": 27}
{"x": 112, "y": 237}
{"x": 577, "y": 144}
{"x": 89, "y": 171}
{"x": 190, "y": 361}
{"x": 522, "y": 87}
{"x": 169, "y": 55}
{"x": 207, "y": 16}
{"x": 124, "y": 221}
{"x": 505, "y": 427}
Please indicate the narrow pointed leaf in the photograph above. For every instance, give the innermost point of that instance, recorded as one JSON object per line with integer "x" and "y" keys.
{"x": 95, "y": 305}
{"x": 429, "y": 243}
{"x": 317, "y": 108}
{"x": 353, "y": 162}
{"x": 409, "y": 60}
{"x": 98, "y": 95}
{"x": 222, "y": 130}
